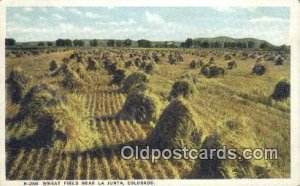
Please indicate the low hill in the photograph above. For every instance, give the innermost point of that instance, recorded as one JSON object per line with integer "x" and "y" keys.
{"x": 223, "y": 40}
{"x": 215, "y": 42}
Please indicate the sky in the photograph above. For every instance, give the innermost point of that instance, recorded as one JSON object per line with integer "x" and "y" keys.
{"x": 153, "y": 23}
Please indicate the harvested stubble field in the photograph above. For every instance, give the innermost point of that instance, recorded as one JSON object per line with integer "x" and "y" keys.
{"x": 238, "y": 95}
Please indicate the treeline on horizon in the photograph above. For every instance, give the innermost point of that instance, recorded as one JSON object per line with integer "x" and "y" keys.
{"x": 143, "y": 43}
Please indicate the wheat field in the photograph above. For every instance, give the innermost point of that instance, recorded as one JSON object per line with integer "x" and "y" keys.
{"x": 238, "y": 94}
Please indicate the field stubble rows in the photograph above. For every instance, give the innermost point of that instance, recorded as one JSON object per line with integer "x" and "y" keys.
{"x": 105, "y": 102}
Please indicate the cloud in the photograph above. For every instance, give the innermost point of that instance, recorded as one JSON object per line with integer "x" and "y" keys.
{"x": 110, "y": 7}
{"x": 44, "y": 9}
{"x": 154, "y": 18}
{"x": 75, "y": 11}
{"x": 268, "y": 19}
{"x": 58, "y": 16}
{"x": 19, "y": 30}
{"x": 71, "y": 28}
{"x": 65, "y": 27}
{"x": 224, "y": 9}
{"x": 61, "y": 30}
{"x": 92, "y": 15}
{"x": 42, "y": 18}
{"x": 27, "y": 9}
{"x": 130, "y": 21}
{"x": 141, "y": 29}
{"x": 20, "y": 17}
{"x": 59, "y": 8}
{"x": 149, "y": 23}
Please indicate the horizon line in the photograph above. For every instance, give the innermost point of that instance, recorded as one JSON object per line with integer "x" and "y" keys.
{"x": 152, "y": 40}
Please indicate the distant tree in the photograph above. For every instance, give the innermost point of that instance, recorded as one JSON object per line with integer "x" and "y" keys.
{"x": 232, "y": 44}
{"x": 60, "y": 42}
{"x": 63, "y": 42}
{"x": 216, "y": 44}
{"x": 284, "y": 48}
{"x": 127, "y": 42}
{"x": 41, "y": 44}
{"x": 197, "y": 43}
{"x": 94, "y": 43}
{"x": 10, "y": 42}
{"x": 244, "y": 45}
{"x": 141, "y": 43}
{"x": 188, "y": 42}
{"x": 110, "y": 43}
{"x": 241, "y": 45}
{"x": 170, "y": 45}
{"x": 264, "y": 45}
{"x": 226, "y": 45}
{"x": 144, "y": 43}
{"x": 79, "y": 43}
{"x": 119, "y": 43}
{"x": 49, "y": 44}
{"x": 164, "y": 45}
{"x": 68, "y": 42}
{"x": 205, "y": 44}
{"x": 173, "y": 45}
{"x": 251, "y": 44}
